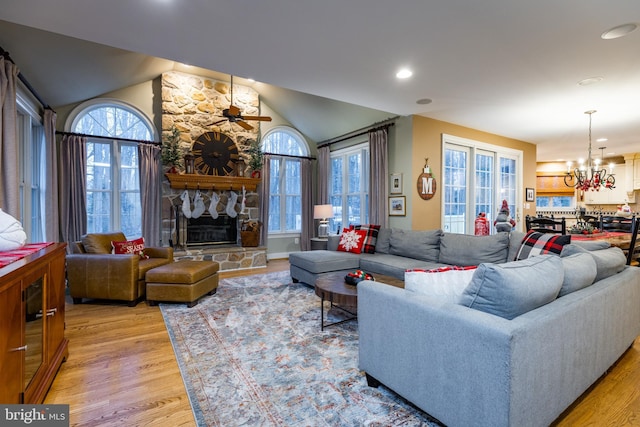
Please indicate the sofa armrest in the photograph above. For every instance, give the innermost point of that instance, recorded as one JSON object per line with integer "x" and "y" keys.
{"x": 105, "y": 276}
{"x": 159, "y": 252}
{"x": 452, "y": 361}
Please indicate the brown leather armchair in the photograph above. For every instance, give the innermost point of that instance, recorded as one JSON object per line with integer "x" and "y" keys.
{"x": 94, "y": 272}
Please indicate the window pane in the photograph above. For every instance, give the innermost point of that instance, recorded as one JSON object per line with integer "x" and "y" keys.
{"x": 98, "y": 212}
{"x": 130, "y": 214}
{"x": 484, "y": 185}
{"x": 455, "y": 177}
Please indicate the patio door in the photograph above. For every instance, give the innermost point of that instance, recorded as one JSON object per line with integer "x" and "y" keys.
{"x": 477, "y": 178}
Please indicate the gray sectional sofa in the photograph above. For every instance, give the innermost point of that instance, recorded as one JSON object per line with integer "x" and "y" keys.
{"x": 470, "y": 362}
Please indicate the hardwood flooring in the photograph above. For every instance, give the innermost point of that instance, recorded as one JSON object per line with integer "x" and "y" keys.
{"x": 122, "y": 371}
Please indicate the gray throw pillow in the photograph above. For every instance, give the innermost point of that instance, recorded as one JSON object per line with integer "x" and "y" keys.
{"x": 609, "y": 261}
{"x": 513, "y": 288}
{"x": 579, "y": 272}
{"x": 465, "y": 249}
{"x": 423, "y": 245}
{"x": 384, "y": 236}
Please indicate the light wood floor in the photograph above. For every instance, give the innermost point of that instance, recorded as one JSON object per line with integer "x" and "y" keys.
{"x": 122, "y": 371}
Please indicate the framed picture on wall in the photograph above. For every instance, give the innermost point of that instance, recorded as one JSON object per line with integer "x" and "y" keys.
{"x": 395, "y": 185}
{"x": 530, "y": 194}
{"x": 397, "y": 206}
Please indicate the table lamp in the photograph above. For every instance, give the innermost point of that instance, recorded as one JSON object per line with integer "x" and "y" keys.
{"x": 322, "y": 212}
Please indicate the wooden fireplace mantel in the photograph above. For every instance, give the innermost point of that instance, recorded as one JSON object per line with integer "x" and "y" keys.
{"x": 211, "y": 182}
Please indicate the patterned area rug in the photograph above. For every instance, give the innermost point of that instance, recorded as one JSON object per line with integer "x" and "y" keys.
{"x": 253, "y": 355}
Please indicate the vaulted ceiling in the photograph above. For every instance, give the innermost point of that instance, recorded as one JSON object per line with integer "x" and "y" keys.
{"x": 506, "y": 67}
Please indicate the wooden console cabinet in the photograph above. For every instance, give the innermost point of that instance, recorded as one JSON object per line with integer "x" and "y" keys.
{"x": 32, "y": 308}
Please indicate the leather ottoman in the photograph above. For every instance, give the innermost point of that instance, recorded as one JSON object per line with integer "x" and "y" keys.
{"x": 182, "y": 281}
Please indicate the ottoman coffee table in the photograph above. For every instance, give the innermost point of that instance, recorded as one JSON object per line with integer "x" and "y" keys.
{"x": 182, "y": 281}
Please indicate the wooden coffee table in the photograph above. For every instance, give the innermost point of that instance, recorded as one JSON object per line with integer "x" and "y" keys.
{"x": 332, "y": 287}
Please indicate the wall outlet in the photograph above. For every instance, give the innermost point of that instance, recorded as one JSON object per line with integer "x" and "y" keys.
{"x": 296, "y": 240}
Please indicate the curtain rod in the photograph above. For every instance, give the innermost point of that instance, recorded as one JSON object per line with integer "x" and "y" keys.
{"x": 289, "y": 156}
{"x": 111, "y": 138}
{"x": 358, "y": 132}
{"x": 24, "y": 81}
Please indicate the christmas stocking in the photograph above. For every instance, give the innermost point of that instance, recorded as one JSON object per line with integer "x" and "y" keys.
{"x": 198, "y": 205}
{"x": 186, "y": 204}
{"x": 244, "y": 197}
{"x": 231, "y": 204}
{"x": 213, "y": 205}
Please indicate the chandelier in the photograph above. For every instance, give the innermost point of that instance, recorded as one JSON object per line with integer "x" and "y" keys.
{"x": 588, "y": 175}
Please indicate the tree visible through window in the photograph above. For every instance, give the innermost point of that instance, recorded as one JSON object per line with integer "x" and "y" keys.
{"x": 349, "y": 187}
{"x": 285, "y": 183}
{"x": 113, "y": 182}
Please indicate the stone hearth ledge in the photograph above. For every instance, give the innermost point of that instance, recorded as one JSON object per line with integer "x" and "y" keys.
{"x": 229, "y": 257}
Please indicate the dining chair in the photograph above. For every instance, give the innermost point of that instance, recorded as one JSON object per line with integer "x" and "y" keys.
{"x": 546, "y": 225}
{"x": 633, "y": 251}
{"x": 617, "y": 223}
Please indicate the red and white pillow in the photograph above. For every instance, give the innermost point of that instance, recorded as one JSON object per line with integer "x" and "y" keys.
{"x": 445, "y": 282}
{"x": 371, "y": 237}
{"x": 130, "y": 247}
{"x": 352, "y": 240}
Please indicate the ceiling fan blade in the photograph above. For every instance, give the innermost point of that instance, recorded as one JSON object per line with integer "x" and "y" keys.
{"x": 246, "y": 126}
{"x": 257, "y": 118}
{"x": 218, "y": 122}
{"x": 233, "y": 110}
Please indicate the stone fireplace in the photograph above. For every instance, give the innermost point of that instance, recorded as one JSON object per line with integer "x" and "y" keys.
{"x": 206, "y": 230}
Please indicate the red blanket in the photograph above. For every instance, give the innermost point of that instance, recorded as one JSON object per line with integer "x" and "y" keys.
{"x": 8, "y": 257}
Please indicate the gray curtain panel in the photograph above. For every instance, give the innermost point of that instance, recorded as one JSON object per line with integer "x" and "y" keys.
{"x": 263, "y": 191}
{"x": 323, "y": 175}
{"x": 9, "y": 175}
{"x": 379, "y": 177}
{"x": 307, "y": 204}
{"x": 73, "y": 203}
{"x": 150, "y": 175}
{"x": 50, "y": 204}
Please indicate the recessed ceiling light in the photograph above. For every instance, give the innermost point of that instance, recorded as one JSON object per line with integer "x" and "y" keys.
{"x": 601, "y": 140}
{"x": 590, "y": 81}
{"x": 619, "y": 31}
{"x": 404, "y": 73}
{"x": 424, "y": 101}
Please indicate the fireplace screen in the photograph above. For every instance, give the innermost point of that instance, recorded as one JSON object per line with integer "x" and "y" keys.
{"x": 206, "y": 230}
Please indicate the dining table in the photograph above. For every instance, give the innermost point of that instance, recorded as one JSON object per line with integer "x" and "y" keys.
{"x": 618, "y": 239}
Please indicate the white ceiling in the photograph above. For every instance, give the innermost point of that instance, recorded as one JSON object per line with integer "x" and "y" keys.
{"x": 503, "y": 66}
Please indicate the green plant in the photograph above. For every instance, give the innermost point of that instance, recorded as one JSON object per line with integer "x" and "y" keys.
{"x": 171, "y": 152}
{"x": 255, "y": 156}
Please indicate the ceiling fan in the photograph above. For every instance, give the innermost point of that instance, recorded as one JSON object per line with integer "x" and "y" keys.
{"x": 233, "y": 115}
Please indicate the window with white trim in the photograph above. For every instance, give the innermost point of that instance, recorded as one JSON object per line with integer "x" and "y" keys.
{"x": 349, "y": 187}
{"x": 113, "y": 183}
{"x": 285, "y": 183}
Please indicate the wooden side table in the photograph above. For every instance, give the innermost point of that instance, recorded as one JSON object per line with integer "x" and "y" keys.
{"x": 318, "y": 243}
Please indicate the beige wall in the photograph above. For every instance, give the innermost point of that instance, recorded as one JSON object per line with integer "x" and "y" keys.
{"x": 427, "y": 142}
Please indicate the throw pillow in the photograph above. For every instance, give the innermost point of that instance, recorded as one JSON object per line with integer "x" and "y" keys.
{"x": 514, "y": 288}
{"x": 352, "y": 241}
{"x": 446, "y": 282}
{"x": 371, "y": 238}
{"x": 536, "y": 243}
{"x": 609, "y": 261}
{"x": 130, "y": 247}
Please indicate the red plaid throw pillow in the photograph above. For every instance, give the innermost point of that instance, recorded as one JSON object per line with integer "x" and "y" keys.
{"x": 536, "y": 243}
{"x": 371, "y": 237}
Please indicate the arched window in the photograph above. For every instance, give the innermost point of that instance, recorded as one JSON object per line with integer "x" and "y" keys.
{"x": 285, "y": 184}
{"x": 113, "y": 180}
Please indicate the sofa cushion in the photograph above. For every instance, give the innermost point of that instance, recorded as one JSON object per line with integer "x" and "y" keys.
{"x": 424, "y": 245}
{"x": 609, "y": 261}
{"x": 515, "y": 240}
{"x": 371, "y": 237}
{"x": 392, "y": 265}
{"x": 384, "y": 239}
{"x": 536, "y": 243}
{"x": 352, "y": 240}
{"x": 579, "y": 272}
{"x": 511, "y": 289}
{"x": 446, "y": 283}
{"x": 324, "y": 261}
{"x": 465, "y": 249}
{"x": 100, "y": 243}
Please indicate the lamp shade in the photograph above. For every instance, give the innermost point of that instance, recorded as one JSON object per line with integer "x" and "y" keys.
{"x": 322, "y": 211}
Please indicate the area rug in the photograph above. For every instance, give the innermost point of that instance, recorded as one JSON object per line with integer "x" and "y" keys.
{"x": 253, "y": 354}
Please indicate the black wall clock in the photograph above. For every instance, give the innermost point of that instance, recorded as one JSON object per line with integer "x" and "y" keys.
{"x": 215, "y": 154}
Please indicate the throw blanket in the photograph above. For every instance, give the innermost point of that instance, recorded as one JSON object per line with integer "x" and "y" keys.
{"x": 12, "y": 236}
